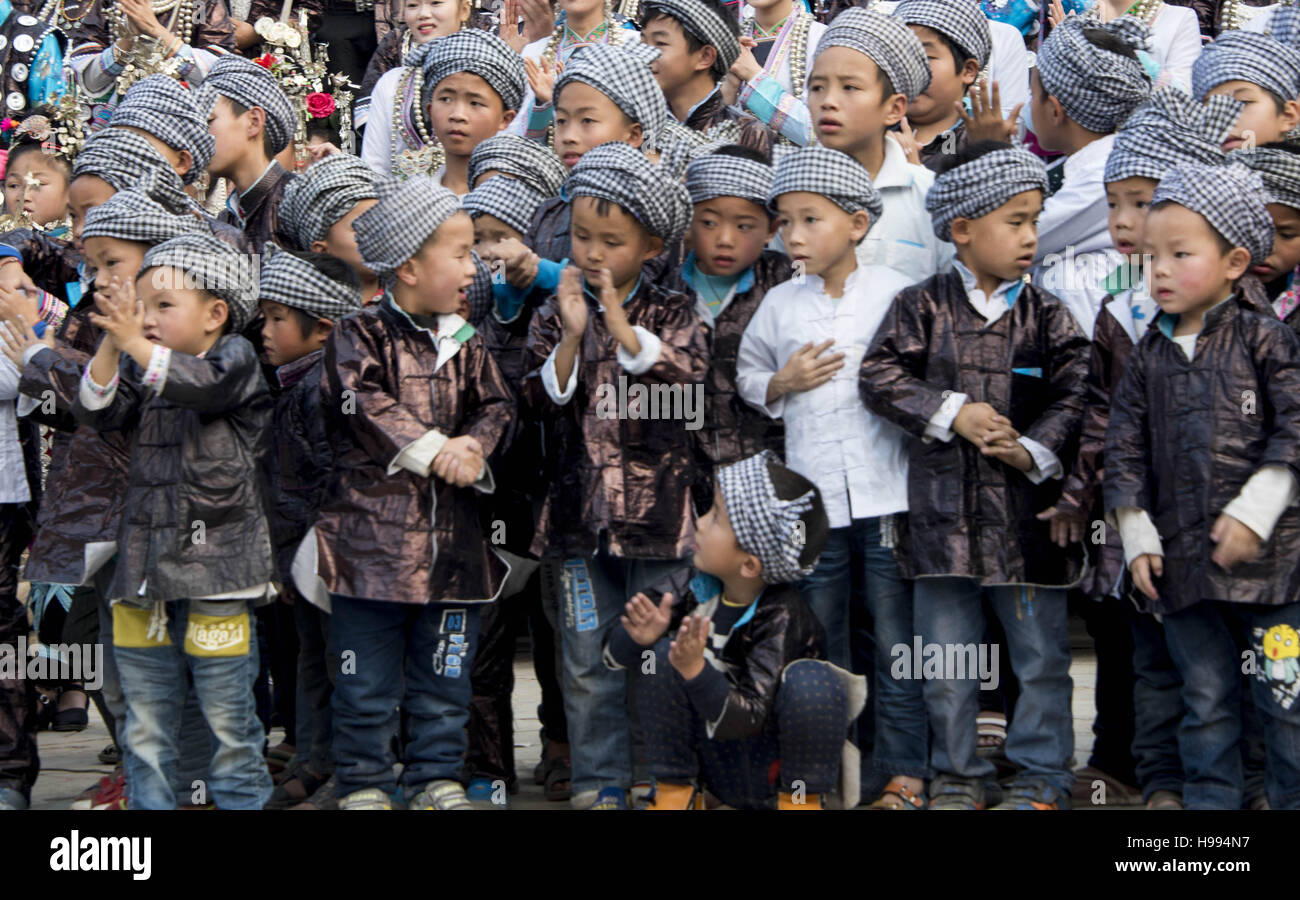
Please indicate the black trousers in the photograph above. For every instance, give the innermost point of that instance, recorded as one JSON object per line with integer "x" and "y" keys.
{"x": 19, "y": 761}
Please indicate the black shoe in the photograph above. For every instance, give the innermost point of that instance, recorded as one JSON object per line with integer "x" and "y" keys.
{"x": 110, "y": 755}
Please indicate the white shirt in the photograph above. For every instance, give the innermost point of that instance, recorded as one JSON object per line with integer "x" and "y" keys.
{"x": 1175, "y": 44}
{"x": 377, "y": 145}
{"x": 13, "y": 471}
{"x": 1074, "y": 247}
{"x": 857, "y": 459}
{"x": 904, "y": 238}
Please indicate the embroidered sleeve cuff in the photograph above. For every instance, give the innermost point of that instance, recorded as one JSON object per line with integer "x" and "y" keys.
{"x": 1046, "y": 463}
{"x": 1263, "y": 499}
{"x": 418, "y": 455}
{"x": 94, "y": 396}
{"x": 1138, "y": 533}
{"x": 155, "y": 374}
{"x": 940, "y": 425}
{"x": 552, "y": 384}
{"x": 649, "y": 355}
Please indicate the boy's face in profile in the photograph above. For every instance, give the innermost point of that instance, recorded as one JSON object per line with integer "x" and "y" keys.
{"x": 947, "y": 84}
{"x": 605, "y": 236}
{"x": 283, "y": 339}
{"x": 1041, "y": 113}
{"x": 489, "y": 230}
{"x": 1002, "y": 243}
{"x": 184, "y": 319}
{"x": 114, "y": 258}
{"x": 232, "y": 133}
{"x": 586, "y": 118}
{"x": 1285, "y": 255}
{"x": 465, "y": 111}
{"x": 438, "y": 277}
{"x": 1128, "y": 200}
{"x": 1190, "y": 270}
{"x": 716, "y": 550}
{"x": 84, "y": 194}
{"x": 817, "y": 233}
{"x": 676, "y": 65}
{"x": 728, "y": 235}
{"x": 341, "y": 241}
{"x": 1261, "y": 122}
{"x": 847, "y": 102}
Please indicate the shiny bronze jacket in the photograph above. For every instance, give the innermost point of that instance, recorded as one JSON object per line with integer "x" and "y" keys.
{"x": 548, "y": 237}
{"x": 968, "y": 514}
{"x": 1186, "y": 435}
{"x": 257, "y": 212}
{"x": 713, "y": 110}
{"x": 737, "y": 702}
{"x": 608, "y": 471}
{"x": 194, "y": 516}
{"x": 383, "y": 532}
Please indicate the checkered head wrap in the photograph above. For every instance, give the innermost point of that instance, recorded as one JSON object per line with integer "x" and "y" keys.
{"x": 982, "y": 185}
{"x": 703, "y": 24}
{"x": 622, "y": 73}
{"x": 889, "y": 43}
{"x": 509, "y": 199}
{"x": 621, "y": 174}
{"x": 1232, "y": 199}
{"x": 715, "y": 175}
{"x": 1278, "y": 169}
{"x": 296, "y": 283}
{"x": 213, "y": 266}
{"x": 133, "y": 216}
{"x": 477, "y": 52}
{"x": 125, "y": 160}
{"x": 837, "y": 176}
{"x": 1097, "y": 88}
{"x": 1169, "y": 129}
{"x": 960, "y": 21}
{"x": 1271, "y": 61}
{"x": 163, "y": 107}
{"x": 249, "y": 85}
{"x": 766, "y": 526}
{"x": 325, "y": 193}
{"x": 407, "y": 214}
{"x": 516, "y": 156}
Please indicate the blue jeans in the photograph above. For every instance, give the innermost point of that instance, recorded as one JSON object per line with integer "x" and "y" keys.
{"x": 156, "y": 684}
{"x": 1206, "y": 643}
{"x": 1040, "y": 739}
{"x": 593, "y": 592}
{"x": 1157, "y": 706}
{"x": 316, "y": 669}
{"x": 804, "y": 735}
{"x": 864, "y": 552}
{"x": 410, "y": 654}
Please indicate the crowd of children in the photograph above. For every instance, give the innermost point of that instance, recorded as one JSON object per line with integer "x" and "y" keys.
{"x": 788, "y": 373}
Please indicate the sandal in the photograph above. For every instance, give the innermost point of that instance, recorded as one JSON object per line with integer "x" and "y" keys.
{"x": 558, "y": 778}
{"x": 990, "y": 734}
{"x": 954, "y": 792}
{"x": 904, "y": 797}
{"x": 295, "y": 789}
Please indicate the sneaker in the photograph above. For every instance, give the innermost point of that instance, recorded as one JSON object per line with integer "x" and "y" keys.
{"x": 366, "y": 798}
{"x": 111, "y": 755}
{"x": 610, "y": 798}
{"x": 12, "y": 800}
{"x": 1033, "y": 795}
{"x": 483, "y": 793}
{"x": 955, "y": 792}
{"x": 442, "y": 793}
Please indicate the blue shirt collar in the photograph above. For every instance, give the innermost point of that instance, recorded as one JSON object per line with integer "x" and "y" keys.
{"x": 1009, "y": 289}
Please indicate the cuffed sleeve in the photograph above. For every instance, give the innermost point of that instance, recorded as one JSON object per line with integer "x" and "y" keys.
{"x": 940, "y": 425}
{"x": 1046, "y": 463}
{"x": 550, "y": 380}
{"x": 1138, "y": 533}
{"x": 644, "y": 360}
{"x": 94, "y": 396}
{"x": 1263, "y": 499}
{"x": 777, "y": 108}
{"x": 418, "y": 456}
{"x": 155, "y": 374}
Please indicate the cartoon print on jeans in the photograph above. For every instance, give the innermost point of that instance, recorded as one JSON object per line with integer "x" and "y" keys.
{"x": 1278, "y": 647}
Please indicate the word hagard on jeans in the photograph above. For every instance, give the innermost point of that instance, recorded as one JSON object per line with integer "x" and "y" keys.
{"x": 945, "y": 662}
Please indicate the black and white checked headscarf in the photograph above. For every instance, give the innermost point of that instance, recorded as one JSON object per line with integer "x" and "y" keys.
{"x": 961, "y": 21}
{"x": 407, "y": 214}
{"x": 766, "y": 525}
{"x": 621, "y": 174}
{"x": 213, "y": 266}
{"x": 703, "y": 24}
{"x": 1271, "y": 61}
{"x": 981, "y": 186}
{"x": 325, "y": 193}
{"x": 126, "y": 160}
{"x": 165, "y": 108}
{"x": 477, "y": 52}
{"x": 1278, "y": 169}
{"x": 249, "y": 85}
{"x": 1097, "y": 88}
{"x": 890, "y": 44}
{"x": 622, "y": 73}
{"x": 715, "y": 175}
{"x": 516, "y": 156}
{"x": 508, "y": 199}
{"x": 1169, "y": 129}
{"x": 296, "y": 283}
{"x": 1232, "y": 199}
{"x": 133, "y": 216}
{"x": 837, "y": 176}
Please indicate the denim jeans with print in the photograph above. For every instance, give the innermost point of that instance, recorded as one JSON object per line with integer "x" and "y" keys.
{"x": 593, "y": 592}
{"x": 208, "y": 646}
{"x": 1209, "y": 642}
{"x": 413, "y": 655}
{"x": 1040, "y": 740}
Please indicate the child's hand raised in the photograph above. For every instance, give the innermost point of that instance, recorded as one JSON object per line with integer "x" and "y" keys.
{"x": 806, "y": 369}
{"x": 573, "y": 306}
{"x": 542, "y": 77}
{"x": 1145, "y": 569}
{"x": 644, "y": 622}
{"x": 1236, "y": 543}
{"x": 18, "y": 303}
{"x": 460, "y": 461}
{"x": 984, "y": 122}
{"x": 16, "y": 336}
{"x": 686, "y": 653}
{"x": 120, "y": 315}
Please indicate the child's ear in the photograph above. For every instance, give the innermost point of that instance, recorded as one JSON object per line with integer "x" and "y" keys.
{"x": 969, "y": 72}
{"x": 961, "y": 235}
{"x": 319, "y": 247}
{"x": 406, "y": 273}
{"x": 256, "y": 123}
{"x": 1058, "y": 111}
{"x": 705, "y": 58}
{"x": 507, "y": 117}
{"x": 185, "y": 164}
{"x": 324, "y": 327}
{"x": 895, "y": 109}
{"x": 1238, "y": 262}
{"x": 861, "y": 224}
{"x": 654, "y": 247}
{"x": 635, "y": 136}
{"x": 1290, "y": 116}
{"x": 752, "y": 567}
{"x": 218, "y": 314}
